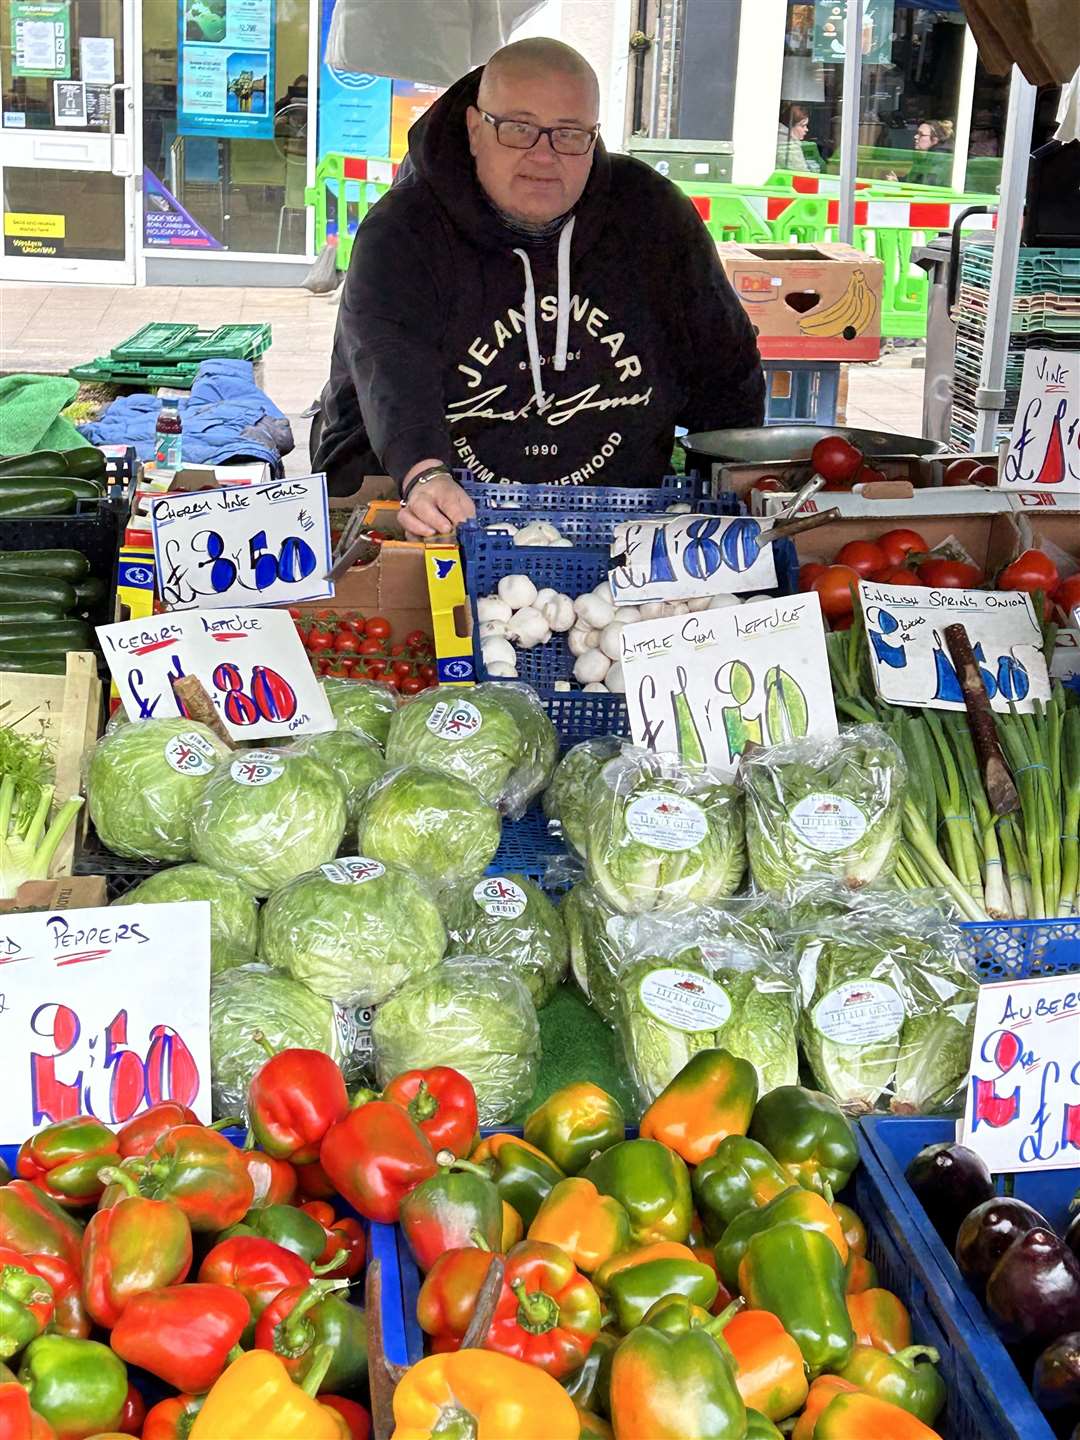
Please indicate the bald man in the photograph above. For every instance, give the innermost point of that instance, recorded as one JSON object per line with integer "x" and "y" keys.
{"x": 526, "y": 306}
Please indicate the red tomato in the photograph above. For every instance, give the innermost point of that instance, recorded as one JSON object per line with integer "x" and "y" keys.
{"x": 303, "y": 633}
{"x": 863, "y": 556}
{"x": 339, "y": 670}
{"x": 1033, "y": 570}
{"x": 949, "y": 575}
{"x": 418, "y": 639}
{"x": 868, "y": 475}
{"x": 958, "y": 472}
{"x": 984, "y": 475}
{"x": 842, "y": 622}
{"x": 295, "y": 613}
{"x": 1066, "y": 596}
{"x": 325, "y": 664}
{"x": 834, "y": 590}
{"x": 319, "y": 640}
{"x": 836, "y": 459}
{"x": 402, "y": 668}
{"x": 370, "y": 646}
{"x": 345, "y": 642}
{"x": 375, "y": 670}
{"x": 398, "y": 649}
{"x": 809, "y": 572}
{"x": 897, "y": 575}
{"x": 899, "y": 544}
{"x": 428, "y": 674}
{"x": 411, "y": 685}
{"x": 378, "y": 628}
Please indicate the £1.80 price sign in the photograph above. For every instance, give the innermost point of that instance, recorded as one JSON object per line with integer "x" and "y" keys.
{"x": 103, "y": 1012}
{"x": 243, "y": 545}
{"x": 684, "y": 557}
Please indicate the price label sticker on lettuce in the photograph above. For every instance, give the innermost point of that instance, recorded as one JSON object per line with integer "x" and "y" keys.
{"x": 454, "y": 720}
{"x": 687, "y": 556}
{"x": 859, "y": 1012}
{"x": 189, "y": 754}
{"x": 501, "y": 899}
{"x": 685, "y": 1000}
{"x": 257, "y": 767}
{"x": 352, "y": 870}
{"x": 828, "y": 822}
{"x": 666, "y": 821}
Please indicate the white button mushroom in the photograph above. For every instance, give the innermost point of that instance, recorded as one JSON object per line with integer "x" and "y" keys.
{"x": 558, "y": 611}
{"x": 528, "y": 628}
{"x": 596, "y": 685}
{"x": 723, "y": 602}
{"x": 489, "y": 628}
{"x": 611, "y": 640}
{"x": 490, "y": 607}
{"x": 501, "y": 671}
{"x": 517, "y": 591}
{"x": 581, "y": 638}
{"x": 498, "y": 651}
{"x": 594, "y": 611}
{"x": 614, "y": 679}
{"x": 592, "y": 666}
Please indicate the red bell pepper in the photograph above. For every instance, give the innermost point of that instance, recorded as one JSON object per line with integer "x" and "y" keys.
{"x": 33, "y": 1224}
{"x": 63, "y": 1160}
{"x": 292, "y": 1102}
{"x": 375, "y": 1156}
{"x": 134, "y": 1246}
{"x": 182, "y": 1334}
{"x": 547, "y": 1314}
{"x": 355, "y": 1416}
{"x": 171, "y": 1419}
{"x": 133, "y": 1413}
{"x": 259, "y": 1269}
{"x": 137, "y": 1136}
{"x": 313, "y": 1183}
{"x": 448, "y": 1295}
{"x": 69, "y": 1317}
{"x": 345, "y": 1235}
{"x": 17, "y": 1420}
{"x": 301, "y": 1323}
{"x": 442, "y": 1102}
{"x": 274, "y": 1180}
{"x": 197, "y": 1169}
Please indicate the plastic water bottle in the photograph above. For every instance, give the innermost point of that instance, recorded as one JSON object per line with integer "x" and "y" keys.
{"x": 168, "y": 438}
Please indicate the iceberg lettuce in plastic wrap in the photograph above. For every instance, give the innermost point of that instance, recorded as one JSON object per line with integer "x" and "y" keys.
{"x": 594, "y": 956}
{"x": 564, "y": 801}
{"x": 365, "y": 706}
{"x": 509, "y": 918}
{"x": 430, "y": 822}
{"x": 355, "y": 760}
{"x": 234, "y": 910}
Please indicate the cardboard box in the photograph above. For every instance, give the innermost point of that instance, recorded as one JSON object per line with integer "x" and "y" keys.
{"x": 70, "y": 892}
{"x": 808, "y": 302}
{"x": 901, "y": 502}
{"x": 992, "y": 541}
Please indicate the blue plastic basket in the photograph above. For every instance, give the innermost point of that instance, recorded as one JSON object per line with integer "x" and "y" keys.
{"x": 526, "y": 848}
{"x": 594, "y": 525}
{"x": 1017, "y": 949}
{"x": 800, "y": 392}
{"x": 504, "y": 495}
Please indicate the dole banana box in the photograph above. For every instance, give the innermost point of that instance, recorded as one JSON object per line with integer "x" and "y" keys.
{"x": 808, "y": 302}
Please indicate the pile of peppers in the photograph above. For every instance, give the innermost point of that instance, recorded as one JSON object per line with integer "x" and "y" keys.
{"x": 696, "y": 1282}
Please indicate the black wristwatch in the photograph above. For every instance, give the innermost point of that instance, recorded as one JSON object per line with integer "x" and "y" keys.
{"x": 424, "y": 477}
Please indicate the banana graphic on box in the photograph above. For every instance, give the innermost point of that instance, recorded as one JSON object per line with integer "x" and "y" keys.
{"x": 849, "y": 316}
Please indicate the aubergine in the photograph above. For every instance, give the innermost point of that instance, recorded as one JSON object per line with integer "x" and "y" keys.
{"x": 1056, "y": 1381}
{"x": 1033, "y": 1293}
{"x": 987, "y": 1233}
{"x": 949, "y": 1181}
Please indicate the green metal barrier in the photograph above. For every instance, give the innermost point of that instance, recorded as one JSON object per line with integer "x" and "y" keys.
{"x": 341, "y": 188}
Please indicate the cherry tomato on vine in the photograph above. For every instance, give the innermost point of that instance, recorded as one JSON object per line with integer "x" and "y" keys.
{"x": 340, "y": 670}
{"x": 428, "y": 674}
{"x": 375, "y": 669}
{"x": 897, "y": 545}
{"x": 378, "y": 628}
{"x": 401, "y": 668}
{"x": 835, "y": 590}
{"x": 399, "y": 649}
{"x": 863, "y": 556}
{"x": 302, "y": 633}
{"x": 1067, "y": 594}
{"x": 418, "y": 639}
{"x": 319, "y": 640}
{"x": 898, "y": 575}
{"x": 411, "y": 685}
{"x": 346, "y": 643}
{"x": 370, "y": 646}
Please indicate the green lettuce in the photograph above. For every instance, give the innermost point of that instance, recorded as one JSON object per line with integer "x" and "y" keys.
{"x": 357, "y": 762}
{"x": 366, "y": 706}
{"x": 234, "y": 910}
{"x": 565, "y": 803}
{"x": 465, "y": 733}
{"x": 509, "y": 918}
{"x": 430, "y": 822}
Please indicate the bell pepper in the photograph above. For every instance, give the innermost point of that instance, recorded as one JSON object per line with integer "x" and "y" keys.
{"x": 676, "y": 1313}
{"x": 475, "y": 1392}
{"x": 68, "y": 1316}
{"x": 861, "y": 1275}
{"x": 799, "y": 1276}
{"x": 653, "y": 1185}
{"x": 172, "y": 1419}
{"x": 794, "y": 1207}
{"x": 589, "y": 1386}
{"x": 286, "y": 1226}
{"x": 256, "y": 1268}
{"x": 853, "y": 1228}
{"x": 673, "y": 1383}
{"x": 63, "y": 1160}
{"x": 713, "y": 1096}
{"x": 574, "y": 1123}
{"x": 854, "y": 1417}
{"x": 633, "y": 1291}
{"x": 313, "y": 1183}
{"x": 256, "y": 1396}
{"x": 352, "y": 1412}
{"x": 741, "y": 1175}
{"x": 135, "y": 1138}
{"x": 640, "y": 1255}
{"x": 182, "y": 1333}
{"x": 447, "y": 1298}
{"x": 340, "y": 1237}
{"x": 808, "y": 1134}
{"x": 760, "y": 1427}
{"x": 513, "y": 1227}
{"x": 133, "y": 1414}
{"x": 590, "y": 1227}
{"x": 456, "y": 1207}
{"x": 442, "y": 1102}
{"x": 26, "y": 1307}
{"x": 301, "y": 1321}
{"x": 908, "y": 1379}
{"x": 17, "y": 1420}
{"x": 769, "y": 1368}
{"x": 822, "y": 1393}
{"x": 593, "y": 1427}
{"x": 134, "y": 1246}
{"x": 523, "y": 1175}
{"x": 274, "y": 1181}
{"x": 33, "y": 1224}
{"x": 78, "y": 1386}
{"x": 293, "y": 1100}
{"x": 375, "y": 1156}
{"x": 879, "y": 1319}
{"x": 547, "y": 1313}
{"x": 198, "y": 1170}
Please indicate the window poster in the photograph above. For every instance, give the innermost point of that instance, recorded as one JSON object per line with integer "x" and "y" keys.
{"x": 227, "y": 68}
{"x": 41, "y": 38}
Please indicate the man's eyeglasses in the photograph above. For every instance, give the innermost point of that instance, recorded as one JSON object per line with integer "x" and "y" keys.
{"x": 520, "y": 135}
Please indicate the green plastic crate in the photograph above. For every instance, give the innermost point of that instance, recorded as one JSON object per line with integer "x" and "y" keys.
{"x": 154, "y": 341}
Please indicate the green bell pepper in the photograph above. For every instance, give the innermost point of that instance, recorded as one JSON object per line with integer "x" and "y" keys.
{"x": 78, "y": 1386}
{"x": 523, "y": 1175}
{"x": 909, "y": 1378}
{"x": 809, "y": 1135}
{"x": 673, "y": 1383}
{"x": 760, "y": 1427}
{"x": 795, "y": 1206}
{"x": 26, "y": 1306}
{"x": 798, "y": 1275}
{"x": 634, "y": 1291}
{"x": 653, "y": 1185}
{"x": 740, "y": 1175}
{"x": 286, "y": 1226}
{"x": 589, "y": 1386}
{"x": 574, "y": 1123}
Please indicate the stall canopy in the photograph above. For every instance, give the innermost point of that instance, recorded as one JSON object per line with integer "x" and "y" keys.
{"x": 1042, "y": 37}
{"x": 434, "y": 42}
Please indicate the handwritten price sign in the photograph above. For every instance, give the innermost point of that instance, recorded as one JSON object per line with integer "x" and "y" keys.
{"x": 250, "y": 662}
{"x": 103, "y": 1012}
{"x": 243, "y": 545}
{"x": 910, "y": 660}
{"x": 688, "y": 556}
{"x": 706, "y": 685}
{"x": 1044, "y": 448}
{"x": 1023, "y": 1097}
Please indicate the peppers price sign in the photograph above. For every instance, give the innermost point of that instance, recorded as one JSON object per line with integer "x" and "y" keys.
{"x": 688, "y": 557}
{"x": 706, "y": 685}
{"x": 244, "y": 545}
{"x": 250, "y": 662}
{"x": 103, "y": 1012}
{"x": 1022, "y": 1110}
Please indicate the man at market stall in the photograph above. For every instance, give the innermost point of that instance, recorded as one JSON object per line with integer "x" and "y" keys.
{"x": 524, "y": 305}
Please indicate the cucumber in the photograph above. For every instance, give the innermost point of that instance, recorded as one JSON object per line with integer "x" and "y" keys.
{"x": 47, "y": 484}
{"x": 28, "y": 610}
{"x": 89, "y": 593}
{"x": 41, "y": 645}
{"x": 34, "y": 664}
{"x": 86, "y": 462}
{"x": 40, "y": 462}
{"x": 46, "y": 631}
{"x": 31, "y": 504}
{"x": 37, "y": 587}
{"x": 69, "y": 565}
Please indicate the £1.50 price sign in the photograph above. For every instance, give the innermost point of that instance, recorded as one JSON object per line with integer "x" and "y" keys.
{"x": 684, "y": 557}
{"x": 243, "y": 545}
{"x": 103, "y": 1012}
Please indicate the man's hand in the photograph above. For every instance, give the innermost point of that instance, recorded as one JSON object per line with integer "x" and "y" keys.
{"x": 436, "y": 508}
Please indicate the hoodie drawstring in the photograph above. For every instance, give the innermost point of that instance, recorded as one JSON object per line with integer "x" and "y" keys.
{"x": 562, "y": 317}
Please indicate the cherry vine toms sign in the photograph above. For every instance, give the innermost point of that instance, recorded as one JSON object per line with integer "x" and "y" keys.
{"x": 1044, "y": 448}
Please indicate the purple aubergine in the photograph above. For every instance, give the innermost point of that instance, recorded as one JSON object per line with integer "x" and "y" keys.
{"x": 949, "y": 1180}
{"x": 1033, "y": 1293}
{"x": 988, "y": 1232}
{"x": 1056, "y": 1384}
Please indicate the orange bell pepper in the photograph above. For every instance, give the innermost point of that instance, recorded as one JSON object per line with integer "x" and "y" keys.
{"x": 862, "y": 1275}
{"x": 490, "y": 1396}
{"x": 256, "y": 1396}
{"x": 590, "y": 1227}
{"x": 879, "y": 1319}
{"x": 769, "y": 1368}
{"x": 641, "y": 1255}
{"x": 858, "y": 1416}
{"x": 713, "y": 1096}
{"x": 853, "y": 1228}
{"x": 823, "y": 1392}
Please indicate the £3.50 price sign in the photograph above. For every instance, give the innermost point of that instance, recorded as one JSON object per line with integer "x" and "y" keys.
{"x": 689, "y": 556}
{"x": 244, "y": 545}
{"x": 103, "y": 1012}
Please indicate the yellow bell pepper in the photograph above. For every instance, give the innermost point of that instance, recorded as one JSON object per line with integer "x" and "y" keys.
{"x": 590, "y": 1227}
{"x": 256, "y": 1396}
{"x": 490, "y": 1396}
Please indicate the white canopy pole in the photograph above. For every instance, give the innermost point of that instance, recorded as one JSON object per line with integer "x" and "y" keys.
{"x": 990, "y": 396}
{"x": 849, "y": 120}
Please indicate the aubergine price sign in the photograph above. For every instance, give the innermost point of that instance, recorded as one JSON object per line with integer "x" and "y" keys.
{"x": 250, "y": 662}
{"x": 686, "y": 557}
{"x": 103, "y": 1012}
{"x": 1022, "y": 1110}
{"x": 243, "y": 545}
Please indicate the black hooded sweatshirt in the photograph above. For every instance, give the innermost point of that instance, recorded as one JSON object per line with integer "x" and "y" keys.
{"x": 567, "y": 360}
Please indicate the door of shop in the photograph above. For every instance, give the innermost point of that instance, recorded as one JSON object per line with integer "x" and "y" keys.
{"x": 68, "y": 141}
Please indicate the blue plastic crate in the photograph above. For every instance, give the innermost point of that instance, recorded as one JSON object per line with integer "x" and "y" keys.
{"x": 798, "y": 392}
{"x": 1017, "y": 949}
{"x": 595, "y": 524}
{"x": 526, "y": 848}
{"x": 504, "y": 495}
